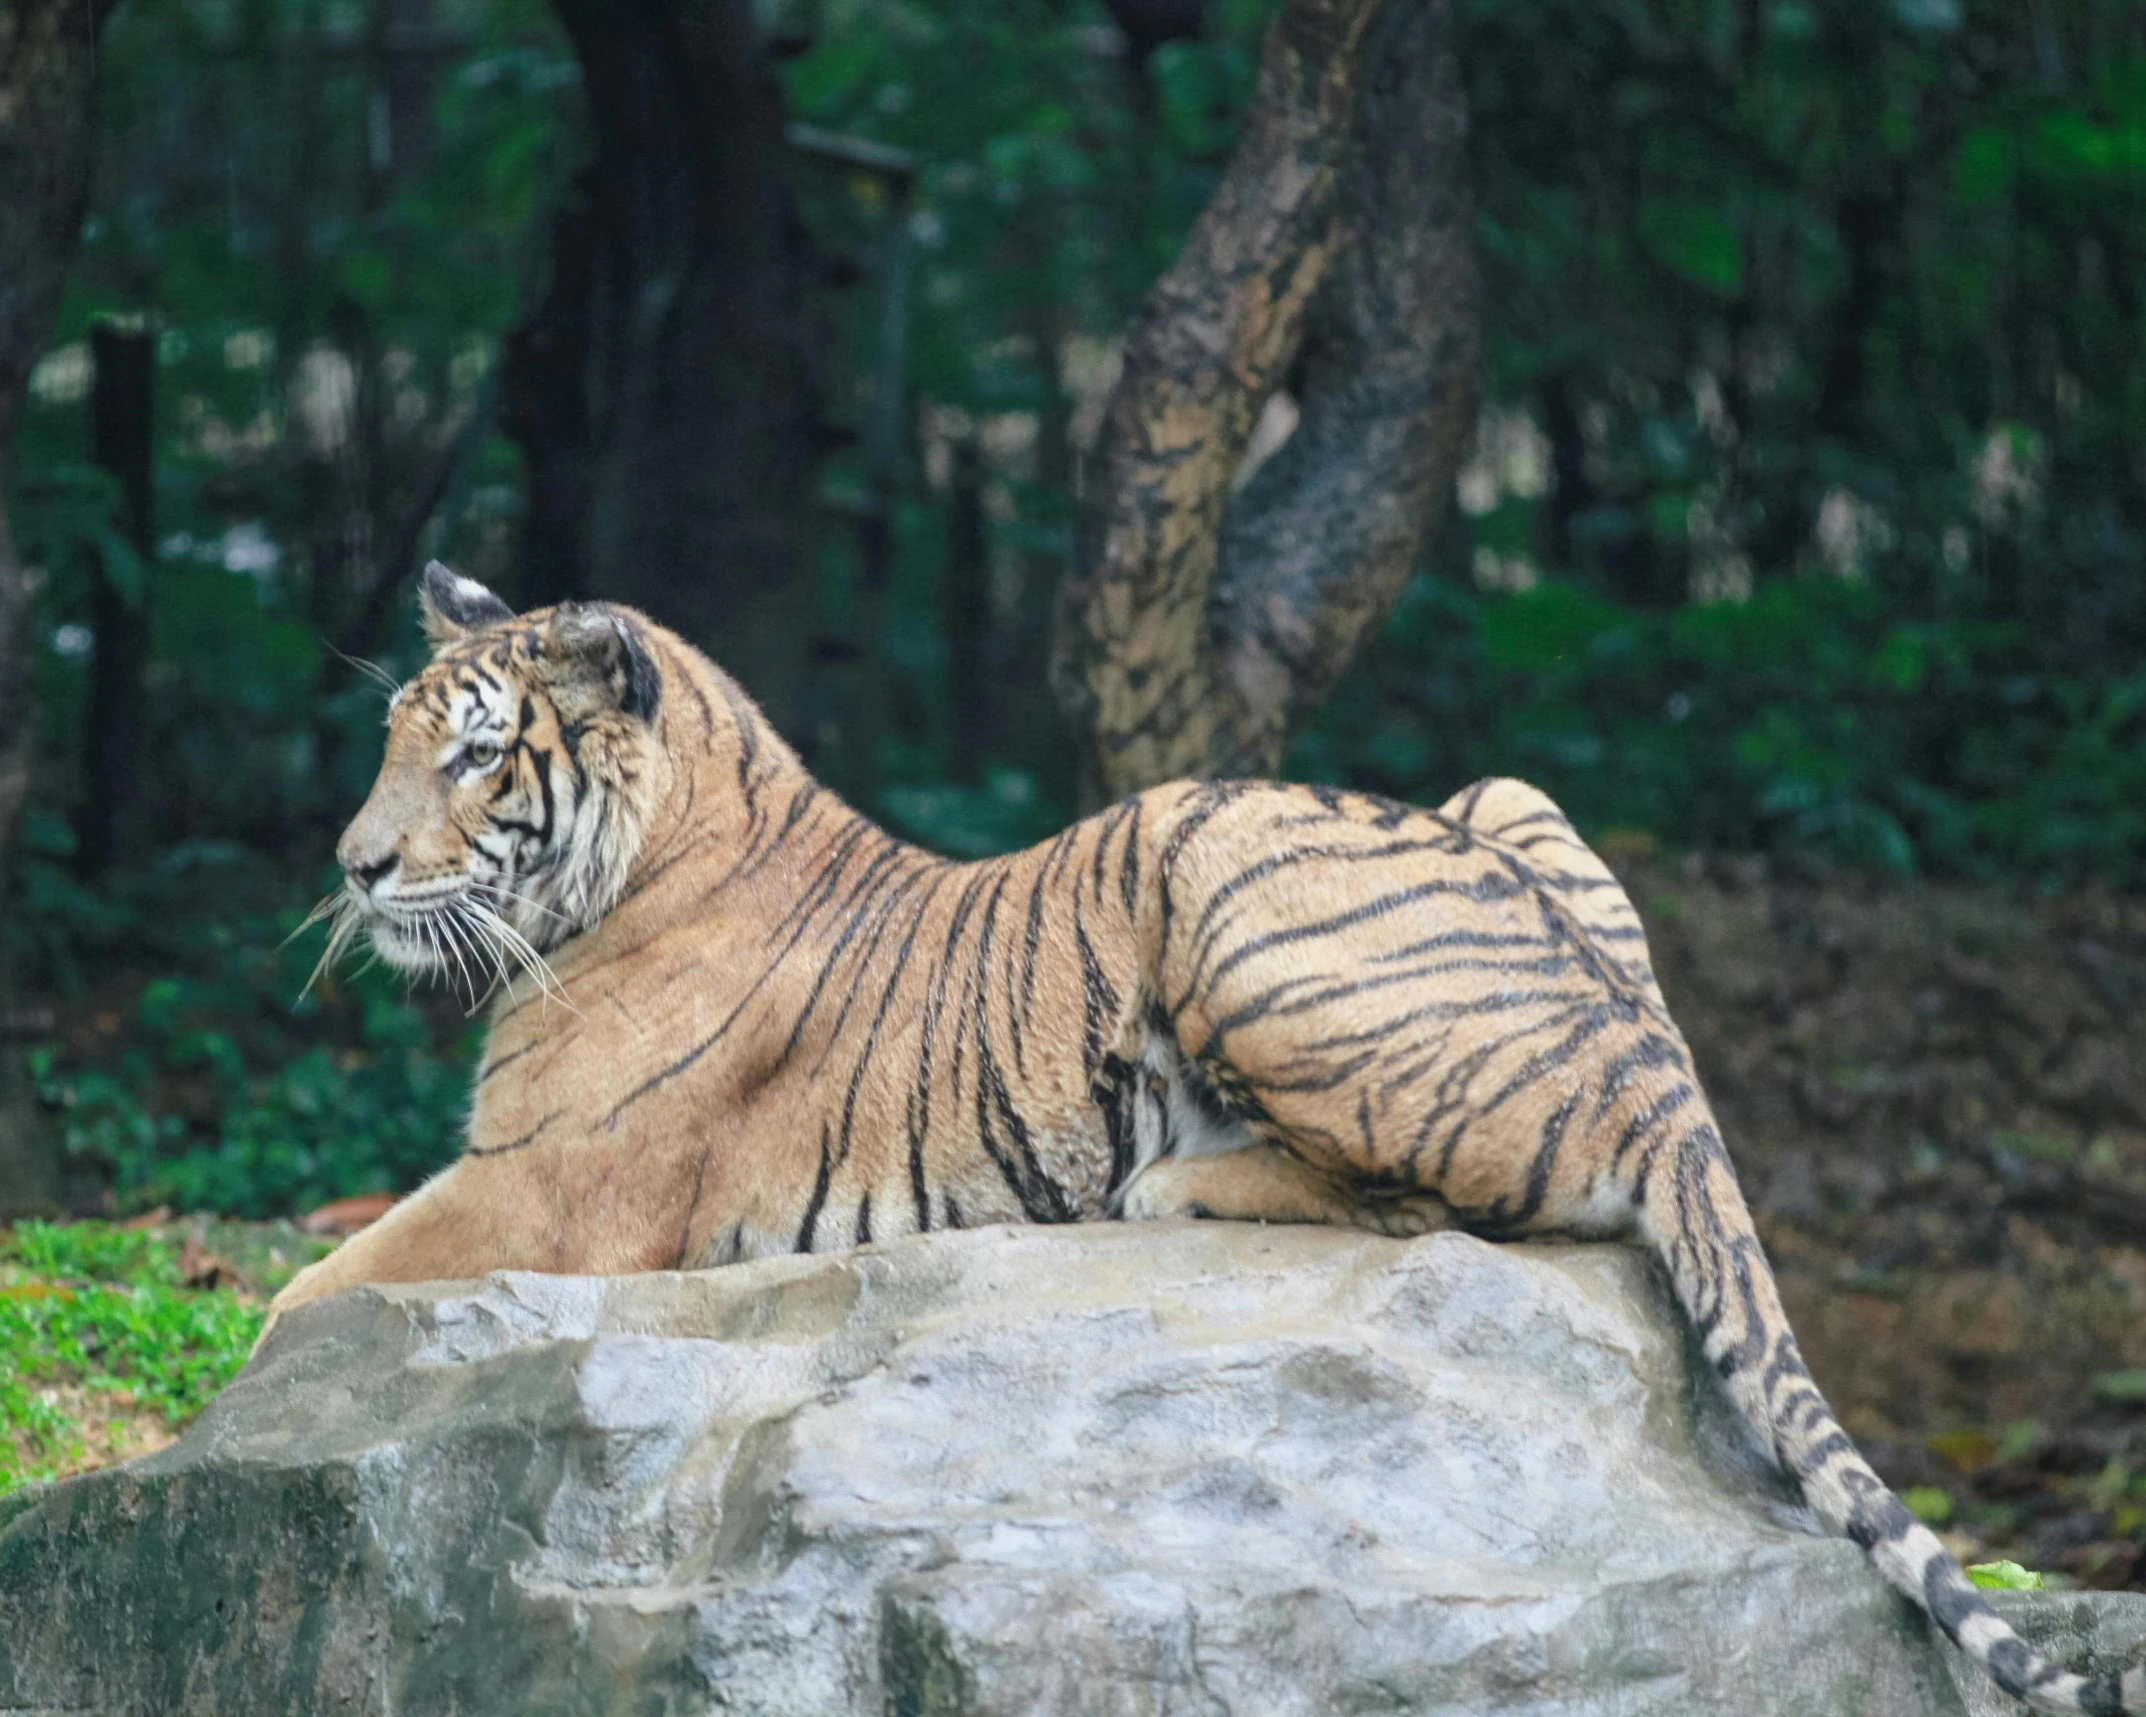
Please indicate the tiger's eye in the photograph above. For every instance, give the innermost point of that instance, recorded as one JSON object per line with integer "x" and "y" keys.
{"x": 482, "y": 754}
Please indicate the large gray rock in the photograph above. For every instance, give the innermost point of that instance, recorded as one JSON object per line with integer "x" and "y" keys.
{"x": 1189, "y": 1470}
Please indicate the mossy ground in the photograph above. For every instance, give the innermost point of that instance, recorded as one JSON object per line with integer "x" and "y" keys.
{"x": 113, "y": 1338}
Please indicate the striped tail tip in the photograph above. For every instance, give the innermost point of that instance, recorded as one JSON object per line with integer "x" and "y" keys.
{"x": 1911, "y": 1557}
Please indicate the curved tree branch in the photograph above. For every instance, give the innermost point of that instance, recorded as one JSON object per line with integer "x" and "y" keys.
{"x": 1196, "y": 630}
{"x": 1317, "y": 547}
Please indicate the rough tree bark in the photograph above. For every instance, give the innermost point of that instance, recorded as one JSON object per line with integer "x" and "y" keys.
{"x": 48, "y": 57}
{"x": 1199, "y": 626}
{"x": 666, "y": 392}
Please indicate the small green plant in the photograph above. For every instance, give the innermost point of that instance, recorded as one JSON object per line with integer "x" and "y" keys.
{"x": 100, "y": 1337}
{"x": 2004, "y": 1577}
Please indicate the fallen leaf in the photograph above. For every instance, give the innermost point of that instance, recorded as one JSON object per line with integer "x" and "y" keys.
{"x": 346, "y": 1216}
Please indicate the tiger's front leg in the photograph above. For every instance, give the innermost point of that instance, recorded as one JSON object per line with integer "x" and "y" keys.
{"x": 453, "y": 1227}
{"x": 1264, "y": 1183}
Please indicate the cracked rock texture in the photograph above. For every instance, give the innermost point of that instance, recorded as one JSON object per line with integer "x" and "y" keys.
{"x": 1193, "y": 1469}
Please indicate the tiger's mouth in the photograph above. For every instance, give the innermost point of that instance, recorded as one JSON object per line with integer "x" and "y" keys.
{"x": 407, "y": 940}
{"x": 464, "y": 936}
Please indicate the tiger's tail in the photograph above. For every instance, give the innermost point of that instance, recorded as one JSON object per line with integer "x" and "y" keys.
{"x": 1702, "y": 1231}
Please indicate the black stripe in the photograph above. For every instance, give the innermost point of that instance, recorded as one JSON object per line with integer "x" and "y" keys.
{"x": 852, "y": 922}
{"x": 1129, "y": 865}
{"x": 685, "y": 1228}
{"x": 512, "y": 1055}
{"x": 819, "y": 1194}
{"x": 512, "y": 1144}
{"x": 1545, "y": 1161}
{"x": 1950, "y": 1599}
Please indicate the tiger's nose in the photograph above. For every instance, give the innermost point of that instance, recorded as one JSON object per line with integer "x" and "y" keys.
{"x": 365, "y": 873}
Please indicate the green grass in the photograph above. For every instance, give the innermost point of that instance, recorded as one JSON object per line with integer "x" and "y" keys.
{"x": 105, "y": 1351}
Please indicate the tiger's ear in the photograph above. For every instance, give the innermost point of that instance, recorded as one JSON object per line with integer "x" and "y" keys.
{"x": 454, "y": 606}
{"x": 601, "y": 653}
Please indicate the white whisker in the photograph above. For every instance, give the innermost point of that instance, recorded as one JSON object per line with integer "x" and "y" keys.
{"x": 465, "y": 935}
{"x": 342, "y": 927}
{"x": 526, "y": 956}
{"x": 503, "y": 900}
{"x": 371, "y": 670}
{"x": 432, "y": 941}
{"x": 326, "y": 907}
{"x": 442, "y": 923}
{"x": 486, "y": 941}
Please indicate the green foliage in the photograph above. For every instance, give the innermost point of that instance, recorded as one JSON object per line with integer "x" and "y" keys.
{"x": 326, "y": 1124}
{"x": 217, "y": 1088}
{"x": 329, "y": 278}
{"x": 1049, "y": 197}
{"x": 1005, "y": 813}
{"x": 1835, "y": 307}
{"x": 1928, "y": 1504}
{"x": 100, "y": 1315}
{"x": 2005, "y": 1577}
{"x": 92, "y": 1252}
{"x": 1813, "y": 717}
{"x": 327, "y": 321}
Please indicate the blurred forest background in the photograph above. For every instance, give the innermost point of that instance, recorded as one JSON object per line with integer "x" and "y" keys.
{"x": 1802, "y": 523}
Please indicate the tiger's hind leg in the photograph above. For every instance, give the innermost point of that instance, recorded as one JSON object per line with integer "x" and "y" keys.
{"x": 1462, "y": 1001}
{"x": 1455, "y": 1002}
{"x": 1264, "y": 1183}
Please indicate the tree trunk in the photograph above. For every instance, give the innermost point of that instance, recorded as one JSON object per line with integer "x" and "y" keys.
{"x": 48, "y": 54}
{"x": 122, "y": 411}
{"x": 965, "y": 614}
{"x": 1201, "y": 626}
{"x": 666, "y": 393}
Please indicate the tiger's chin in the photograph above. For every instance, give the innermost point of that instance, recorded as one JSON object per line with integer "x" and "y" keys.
{"x": 404, "y": 945}
{"x": 459, "y": 940}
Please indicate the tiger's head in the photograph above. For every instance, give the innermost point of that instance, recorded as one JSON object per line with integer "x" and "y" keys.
{"x": 522, "y": 763}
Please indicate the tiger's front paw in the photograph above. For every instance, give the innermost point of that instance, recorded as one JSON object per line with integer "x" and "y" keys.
{"x": 1156, "y": 1195}
{"x": 1403, "y": 1218}
{"x": 308, "y": 1284}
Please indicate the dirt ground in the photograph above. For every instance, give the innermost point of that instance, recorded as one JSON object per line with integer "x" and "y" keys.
{"x": 1937, "y": 1099}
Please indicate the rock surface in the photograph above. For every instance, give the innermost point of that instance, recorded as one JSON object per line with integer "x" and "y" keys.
{"x": 1199, "y": 1470}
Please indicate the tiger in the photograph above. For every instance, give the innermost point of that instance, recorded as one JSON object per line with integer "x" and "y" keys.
{"x": 731, "y": 1018}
